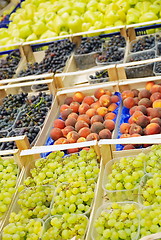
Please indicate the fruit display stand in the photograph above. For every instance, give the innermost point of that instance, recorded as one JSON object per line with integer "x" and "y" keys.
{"x": 6, "y": 155}
{"x": 102, "y": 196}
{"x": 33, "y": 157}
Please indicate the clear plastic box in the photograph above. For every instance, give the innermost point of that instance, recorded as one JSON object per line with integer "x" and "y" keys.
{"x": 85, "y": 61}
{"x": 143, "y": 70}
{"x": 47, "y": 223}
{"x": 143, "y": 49}
{"x": 98, "y": 80}
{"x": 98, "y": 63}
{"x": 118, "y": 195}
{"x": 157, "y": 68}
{"x": 103, "y": 208}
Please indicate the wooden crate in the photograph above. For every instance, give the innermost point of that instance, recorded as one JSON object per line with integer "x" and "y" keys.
{"x": 108, "y": 154}
{"x": 11, "y": 5}
{"x": 68, "y": 92}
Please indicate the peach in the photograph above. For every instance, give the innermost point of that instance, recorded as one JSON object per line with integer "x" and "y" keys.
{"x": 129, "y": 102}
{"x": 136, "y": 92}
{"x": 130, "y": 120}
{"x": 89, "y": 100}
{"x": 64, "y": 107}
{"x": 108, "y": 92}
{"x": 128, "y": 146}
{"x": 149, "y": 85}
{"x": 155, "y": 88}
{"x": 92, "y": 136}
{"x": 61, "y": 140}
{"x": 102, "y": 111}
{"x": 64, "y": 114}
{"x": 127, "y": 93}
{"x": 143, "y": 121}
{"x": 80, "y": 124}
{"x": 105, "y": 100}
{"x": 73, "y": 115}
{"x": 144, "y": 93}
{"x": 155, "y": 112}
{"x": 149, "y": 111}
{"x": 56, "y": 133}
{"x": 146, "y": 102}
{"x": 66, "y": 130}
{"x": 134, "y": 128}
{"x": 95, "y": 105}
{"x": 96, "y": 127}
{"x": 135, "y": 115}
{"x": 125, "y": 135}
{"x": 141, "y": 108}
{"x": 155, "y": 96}
{"x": 70, "y": 122}
{"x": 72, "y": 150}
{"x": 157, "y": 103}
{"x": 91, "y": 112}
{"x": 124, "y": 128}
{"x": 109, "y": 124}
{"x": 156, "y": 120}
{"x": 72, "y": 137}
{"x": 78, "y": 97}
{"x": 83, "y": 108}
{"x": 75, "y": 106}
{"x": 115, "y": 99}
{"x": 152, "y": 128}
{"x": 132, "y": 110}
{"x": 96, "y": 118}
{"x": 110, "y": 115}
{"x": 135, "y": 135}
{"x": 136, "y": 100}
{"x": 84, "y": 132}
{"x": 84, "y": 117}
{"x": 105, "y": 134}
{"x": 81, "y": 139}
{"x": 112, "y": 107}
{"x": 99, "y": 92}
{"x": 58, "y": 123}
{"x": 68, "y": 100}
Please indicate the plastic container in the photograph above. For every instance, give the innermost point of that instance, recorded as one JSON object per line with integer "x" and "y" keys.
{"x": 110, "y": 63}
{"x": 118, "y": 195}
{"x": 144, "y": 70}
{"x": 143, "y": 48}
{"x": 16, "y": 208}
{"x": 69, "y": 186}
{"x": 157, "y": 68}
{"x": 47, "y": 224}
{"x": 85, "y": 61}
{"x": 109, "y": 42}
{"x": 158, "y": 49}
{"x": 103, "y": 208}
{"x": 98, "y": 79}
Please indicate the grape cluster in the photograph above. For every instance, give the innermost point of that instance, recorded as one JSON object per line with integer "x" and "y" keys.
{"x": 126, "y": 173}
{"x": 117, "y": 221}
{"x": 35, "y": 111}
{"x": 55, "y": 59}
{"x": 142, "y": 56}
{"x": 9, "y": 65}
{"x": 8, "y": 176}
{"x": 112, "y": 54}
{"x": 153, "y": 164}
{"x": 66, "y": 227}
{"x": 56, "y": 170}
{"x": 100, "y": 76}
{"x": 74, "y": 197}
{"x": 150, "y": 221}
{"x": 150, "y": 189}
{"x": 10, "y": 108}
{"x": 23, "y": 229}
{"x": 143, "y": 43}
{"x": 118, "y": 41}
{"x": 31, "y": 133}
{"x": 89, "y": 45}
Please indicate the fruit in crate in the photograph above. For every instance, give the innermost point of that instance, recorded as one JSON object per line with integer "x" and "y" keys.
{"x": 111, "y": 55}
{"x": 117, "y": 221}
{"x": 144, "y": 43}
{"x": 85, "y": 115}
{"x": 89, "y": 45}
{"x": 144, "y": 117}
